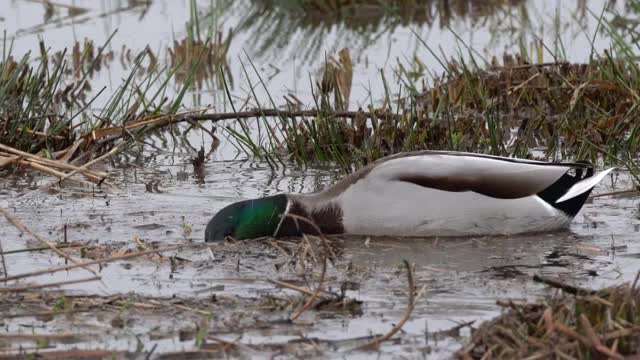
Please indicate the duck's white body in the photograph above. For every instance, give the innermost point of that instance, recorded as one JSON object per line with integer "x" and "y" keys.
{"x": 431, "y": 212}
{"x": 456, "y": 194}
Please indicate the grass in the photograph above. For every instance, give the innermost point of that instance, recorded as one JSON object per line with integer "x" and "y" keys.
{"x": 503, "y": 107}
{"x": 46, "y": 106}
{"x": 53, "y": 120}
{"x": 587, "y": 111}
{"x": 35, "y": 111}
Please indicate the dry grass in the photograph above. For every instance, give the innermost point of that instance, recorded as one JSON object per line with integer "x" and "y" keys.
{"x": 576, "y": 324}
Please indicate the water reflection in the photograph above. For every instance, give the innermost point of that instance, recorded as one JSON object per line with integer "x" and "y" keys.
{"x": 61, "y": 14}
{"x": 308, "y": 25}
{"x": 56, "y": 10}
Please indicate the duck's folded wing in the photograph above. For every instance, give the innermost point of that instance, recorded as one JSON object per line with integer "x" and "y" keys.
{"x": 491, "y": 176}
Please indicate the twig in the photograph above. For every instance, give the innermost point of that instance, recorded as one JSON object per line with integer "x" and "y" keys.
{"x": 186, "y": 308}
{"x": 308, "y": 221}
{"x": 113, "y": 151}
{"x": 24, "y": 229}
{"x": 47, "y": 170}
{"x": 68, "y": 152}
{"x": 570, "y": 332}
{"x": 60, "y": 164}
{"x": 199, "y": 126}
{"x": 407, "y": 314}
{"x": 61, "y": 246}
{"x": 197, "y": 115}
{"x": 93, "y": 176}
{"x": 318, "y": 233}
{"x": 635, "y": 282}
{"x": 21, "y": 350}
{"x": 98, "y": 261}
{"x": 153, "y": 349}
{"x": 282, "y": 113}
{"x": 230, "y": 344}
{"x": 45, "y": 313}
{"x": 278, "y": 247}
{"x": 291, "y": 287}
{"x": 53, "y": 163}
{"x": 311, "y": 299}
{"x": 287, "y": 285}
{"x": 454, "y": 331}
{"x": 309, "y": 248}
{"x": 4, "y": 263}
{"x": 574, "y": 290}
{"x": 6, "y": 159}
{"x": 38, "y": 336}
{"x": 315, "y": 294}
{"x": 41, "y": 134}
{"x": 69, "y": 354}
{"x": 53, "y": 284}
{"x": 56, "y": 4}
{"x": 620, "y": 333}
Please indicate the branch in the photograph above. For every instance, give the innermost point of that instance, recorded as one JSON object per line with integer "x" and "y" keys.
{"x": 407, "y": 314}
{"x": 570, "y": 289}
{"x": 53, "y": 284}
{"x": 283, "y": 113}
{"x": 4, "y": 263}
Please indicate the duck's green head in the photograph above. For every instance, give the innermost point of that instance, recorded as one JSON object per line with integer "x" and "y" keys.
{"x": 247, "y": 219}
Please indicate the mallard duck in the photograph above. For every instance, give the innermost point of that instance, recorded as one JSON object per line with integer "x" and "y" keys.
{"x": 425, "y": 193}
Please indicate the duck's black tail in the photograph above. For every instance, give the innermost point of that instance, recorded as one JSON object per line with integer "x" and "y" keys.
{"x": 570, "y": 192}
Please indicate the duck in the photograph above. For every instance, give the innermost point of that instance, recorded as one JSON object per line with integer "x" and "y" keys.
{"x": 423, "y": 194}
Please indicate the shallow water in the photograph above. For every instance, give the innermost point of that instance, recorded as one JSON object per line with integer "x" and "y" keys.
{"x": 463, "y": 278}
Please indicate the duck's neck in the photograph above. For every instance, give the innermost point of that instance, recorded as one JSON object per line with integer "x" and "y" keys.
{"x": 305, "y": 216}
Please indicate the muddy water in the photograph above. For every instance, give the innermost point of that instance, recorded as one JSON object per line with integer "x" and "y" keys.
{"x": 463, "y": 278}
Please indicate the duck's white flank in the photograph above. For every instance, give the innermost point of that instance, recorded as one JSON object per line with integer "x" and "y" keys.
{"x": 381, "y": 204}
{"x": 405, "y": 209}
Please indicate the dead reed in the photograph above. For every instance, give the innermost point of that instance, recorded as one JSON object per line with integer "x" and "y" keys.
{"x": 577, "y": 323}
